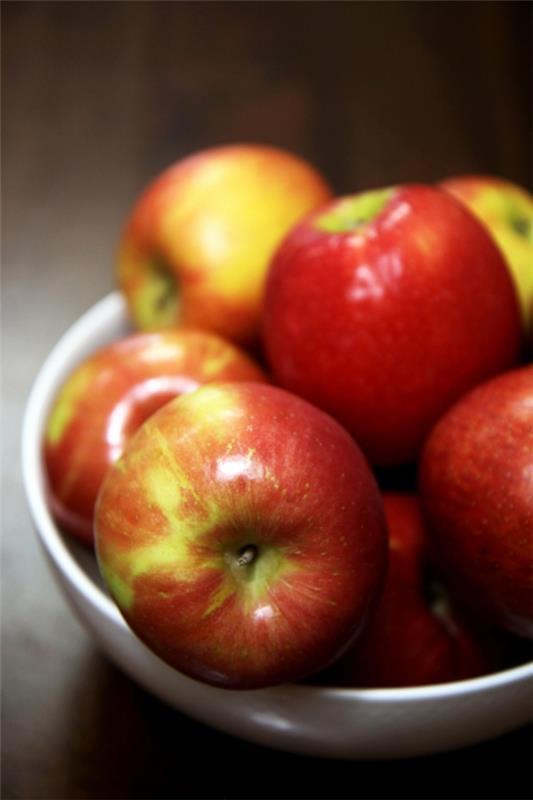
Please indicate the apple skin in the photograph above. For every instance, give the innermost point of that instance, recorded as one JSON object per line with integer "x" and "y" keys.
{"x": 507, "y": 211}
{"x": 109, "y": 395}
{"x": 412, "y": 638}
{"x": 198, "y": 242}
{"x": 476, "y": 489}
{"x": 384, "y": 308}
{"x": 231, "y": 469}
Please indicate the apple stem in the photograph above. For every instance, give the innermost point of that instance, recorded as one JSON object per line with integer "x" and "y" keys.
{"x": 247, "y": 555}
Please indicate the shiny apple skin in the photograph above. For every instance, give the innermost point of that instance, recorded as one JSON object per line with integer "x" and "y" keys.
{"x": 213, "y": 220}
{"x": 476, "y": 488}
{"x": 506, "y": 210}
{"x": 109, "y": 395}
{"x": 385, "y": 326}
{"x": 226, "y": 467}
{"x": 412, "y": 639}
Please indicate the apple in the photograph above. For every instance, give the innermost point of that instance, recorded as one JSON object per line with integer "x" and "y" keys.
{"x": 383, "y": 308}
{"x": 198, "y": 242}
{"x": 476, "y": 488}
{"x": 417, "y": 635}
{"x": 107, "y": 397}
{"x": 242, "y": 536}
{"x": 507, "y": 211}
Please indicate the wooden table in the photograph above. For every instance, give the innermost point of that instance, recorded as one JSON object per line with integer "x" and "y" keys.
{"x": 97, "y": 98}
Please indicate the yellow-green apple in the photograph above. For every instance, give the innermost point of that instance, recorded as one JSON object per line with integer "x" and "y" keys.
{"x": 199, "y": 239}
{"x": 417, "y": 635}
{"x": 242, "y": 535}
{"x": 383, "y": 308}
{"x": 476, "y": 487}
{"x": 109, "y": 395}
{"x": 507, "y": 211}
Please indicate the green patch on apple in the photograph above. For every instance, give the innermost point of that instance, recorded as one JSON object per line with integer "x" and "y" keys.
{"x": 354, "y": 212}
{"x": 119, "y": 589}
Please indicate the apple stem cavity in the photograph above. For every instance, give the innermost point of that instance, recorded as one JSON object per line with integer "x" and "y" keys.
{"x": 167, "y": 287}
{"x": 158, "y": 305}
{"x": 247, "y": 555}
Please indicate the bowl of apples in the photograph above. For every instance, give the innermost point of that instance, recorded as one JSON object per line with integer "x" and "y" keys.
{"x": 290, "y": 491}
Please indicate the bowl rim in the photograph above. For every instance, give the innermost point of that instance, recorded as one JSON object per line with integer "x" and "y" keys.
{"x": 44, "y": 387}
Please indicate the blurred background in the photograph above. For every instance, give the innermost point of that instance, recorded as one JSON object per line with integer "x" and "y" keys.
{"x": 97, "y": 98}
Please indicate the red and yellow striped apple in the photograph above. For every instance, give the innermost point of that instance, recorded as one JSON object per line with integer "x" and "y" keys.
{"x": 476, "y": 487}
{"x": 417, "y": 635}
{"x": 242, "y": 536}
{"x": 507, "y": 211}
{"x": 109, "y": 395}
{"x": 199, "y": 239}
{"x": 383, "y": 308}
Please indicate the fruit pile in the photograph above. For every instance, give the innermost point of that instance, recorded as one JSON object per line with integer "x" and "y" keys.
{"x": 313, "y": 460}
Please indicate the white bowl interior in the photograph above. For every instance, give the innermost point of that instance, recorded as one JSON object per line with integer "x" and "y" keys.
{"x": 342, "y": 723}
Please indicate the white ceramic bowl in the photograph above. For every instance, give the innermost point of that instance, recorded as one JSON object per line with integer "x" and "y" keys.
{"x": 342, "y": 723}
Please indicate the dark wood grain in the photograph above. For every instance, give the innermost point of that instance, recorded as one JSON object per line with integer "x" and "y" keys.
{"x": 97, "y": 97}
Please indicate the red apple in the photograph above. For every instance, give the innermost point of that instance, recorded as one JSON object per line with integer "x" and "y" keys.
{"x": 109, "y": 395}
{"x": 242, "y": 536}
{"x": 507, "y": 211}
{"x": 384, "y": 308}
{"x": 416, "y": 636}
{"x": 199, "y": 239}
{"x": 476, "y": 485}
